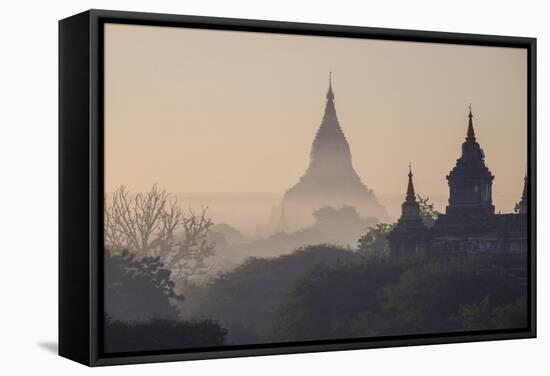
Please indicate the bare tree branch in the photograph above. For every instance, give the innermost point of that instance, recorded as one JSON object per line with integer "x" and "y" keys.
{"x": 146, "y": 225}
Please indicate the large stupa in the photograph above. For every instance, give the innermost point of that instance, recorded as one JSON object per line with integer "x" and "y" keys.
{"x": 330, "y": 179}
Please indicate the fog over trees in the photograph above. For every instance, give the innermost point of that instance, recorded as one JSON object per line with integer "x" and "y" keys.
{"x": 176, "y": 279}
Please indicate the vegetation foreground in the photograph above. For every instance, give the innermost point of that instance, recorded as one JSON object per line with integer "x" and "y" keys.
{"x": 318, "y": 292}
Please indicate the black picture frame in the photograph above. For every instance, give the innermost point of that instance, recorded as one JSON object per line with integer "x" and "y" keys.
{"x": 81, "y": 184}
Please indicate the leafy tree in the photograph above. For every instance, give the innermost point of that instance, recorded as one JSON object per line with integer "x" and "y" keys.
{"x": 323, "y": 303}
{"x": 225, "y": 235}
{"x": 331, "y": 215}
{"x": 137, "y": 289}
{"x": 140, "y": 314}
{"x": 384, "y": 297}
{"x": 484, "y": 315}
{"x": 375, "y": 241}
{"x": 340, "y": 225}
{"x": 430, "y": 294}
{"x": 427, "y": 211}
{"x": 147, "y": 224}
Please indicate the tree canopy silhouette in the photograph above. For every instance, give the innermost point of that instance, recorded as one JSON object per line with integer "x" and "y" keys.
{"x": 137, "y": 289}
{"x": 383, "y": 297}
{"x": 245, "y": 300}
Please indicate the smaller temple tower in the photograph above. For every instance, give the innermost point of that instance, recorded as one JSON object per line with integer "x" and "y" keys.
{"x": 282, "y": 226}
{"x": 522, "y": 206}
{"x": 410, "y": 237}
{"x": 470, "y": 181}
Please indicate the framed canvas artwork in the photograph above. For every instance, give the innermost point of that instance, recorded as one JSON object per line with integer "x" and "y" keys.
{"x": 236, "y": 187}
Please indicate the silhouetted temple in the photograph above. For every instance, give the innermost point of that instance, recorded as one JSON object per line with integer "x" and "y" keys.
{"x": 330, "y": 179}
{"x": 521, "y": 206}
{"x": 469, "y": 224}
{"x": 470, "y": 181}
{"x": 410, "y": 236}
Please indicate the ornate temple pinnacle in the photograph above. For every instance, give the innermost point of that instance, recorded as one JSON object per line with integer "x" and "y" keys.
{"x": 471, "y": 136}
{"x": 470, "y": 181}
{"x": 411, "y": 195}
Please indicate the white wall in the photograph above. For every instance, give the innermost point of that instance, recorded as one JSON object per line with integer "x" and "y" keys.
{"x": 28, "y": 209}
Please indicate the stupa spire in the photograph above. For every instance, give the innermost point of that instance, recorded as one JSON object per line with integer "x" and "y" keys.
{"x": 470, "y": 136}
{"x": 330, "y": 94}
{"x": 330, "y": 145}
{"x": 411, "y": 196}
{"x": 282, "y": 227}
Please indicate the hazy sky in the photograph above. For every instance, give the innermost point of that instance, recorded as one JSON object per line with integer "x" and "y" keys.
{"x": 218, "y": 111}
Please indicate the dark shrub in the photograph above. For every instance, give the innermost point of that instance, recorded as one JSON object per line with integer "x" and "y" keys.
{"x": 137, "y": 289}
{"x": 321, "y": 304}
{"x": 382, "y": 297}
{"x": 161, "y": 334}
